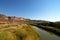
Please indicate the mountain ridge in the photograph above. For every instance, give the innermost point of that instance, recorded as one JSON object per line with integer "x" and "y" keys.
{"x": 11, "y": 19}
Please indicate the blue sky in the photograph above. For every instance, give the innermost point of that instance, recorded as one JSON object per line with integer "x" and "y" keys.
{"x": 34, "y": 9}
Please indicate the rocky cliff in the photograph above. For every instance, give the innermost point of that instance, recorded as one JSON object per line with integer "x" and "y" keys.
{"x": 12, "y": 19}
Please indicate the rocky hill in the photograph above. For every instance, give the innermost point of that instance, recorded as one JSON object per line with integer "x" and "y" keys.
{"x": 11, "y": 19}
{"x": 19, "y": 20}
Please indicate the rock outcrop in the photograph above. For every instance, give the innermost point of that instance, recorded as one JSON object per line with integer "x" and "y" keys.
{"x": 11, "y": 19}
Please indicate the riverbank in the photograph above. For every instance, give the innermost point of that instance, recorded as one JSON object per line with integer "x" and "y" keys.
{"x": 45, "y": 35}
{"x": 49, "y": 28}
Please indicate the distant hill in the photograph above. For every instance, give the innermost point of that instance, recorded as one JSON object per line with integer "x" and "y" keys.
{"x": 11, "y": 19}
{"x": 14, "y": 19}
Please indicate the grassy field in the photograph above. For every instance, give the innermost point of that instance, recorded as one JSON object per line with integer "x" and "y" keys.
{"x": 18, "y": 32}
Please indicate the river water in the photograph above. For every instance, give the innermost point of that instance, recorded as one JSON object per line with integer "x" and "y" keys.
{"x": 45, "y": 35}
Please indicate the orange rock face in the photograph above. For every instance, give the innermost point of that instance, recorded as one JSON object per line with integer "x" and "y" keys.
{"x": 11, "y": 19}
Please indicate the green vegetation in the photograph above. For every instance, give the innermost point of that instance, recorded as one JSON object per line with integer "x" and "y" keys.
{"x": 18, "y": 32}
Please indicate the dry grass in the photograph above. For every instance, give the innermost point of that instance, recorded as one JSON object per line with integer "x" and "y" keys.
{"x": 18, "y": 32}
{"x": 5, "y": 35}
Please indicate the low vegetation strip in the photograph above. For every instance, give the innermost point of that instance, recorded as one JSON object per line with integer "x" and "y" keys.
{"x": 18, "y": 32}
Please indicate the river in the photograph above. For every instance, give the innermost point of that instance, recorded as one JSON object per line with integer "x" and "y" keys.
{"x": 45, "y": 35}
